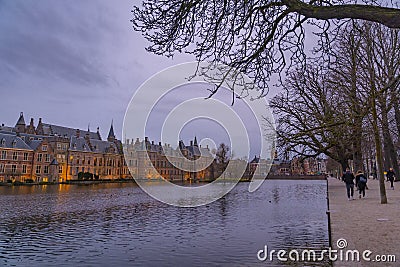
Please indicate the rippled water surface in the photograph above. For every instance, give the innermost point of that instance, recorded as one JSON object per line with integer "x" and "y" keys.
{"x": 120, "y": 225}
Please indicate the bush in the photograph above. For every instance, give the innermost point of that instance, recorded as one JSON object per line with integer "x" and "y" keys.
{"x": 88, "y": 175}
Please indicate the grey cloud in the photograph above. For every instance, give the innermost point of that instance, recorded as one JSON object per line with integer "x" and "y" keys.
{"x": 49, "y": 40}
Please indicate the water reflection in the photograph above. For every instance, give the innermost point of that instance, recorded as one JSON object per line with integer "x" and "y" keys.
{"x": 118, "y": 224}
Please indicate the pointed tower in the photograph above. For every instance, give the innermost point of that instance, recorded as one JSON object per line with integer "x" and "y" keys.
{"x": 31, "y": 128}
{"x": 20, "y": 126}
{"x": 111, "y": 135}
{"x": 195, "y": 141}
{"x": 98, "y": 133}
{"x": 39, "y": 127}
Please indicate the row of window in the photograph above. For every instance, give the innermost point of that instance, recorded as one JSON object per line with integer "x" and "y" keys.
{"x": 97, "y": 171}
{"x": 40, "y": 157}
{"x": 46, "y": 169}
{"x": 63, "y": 147}
{"x": 110, "y": 162}
{"x": 13, "y": 168}
{"x": 15, "y": 154}
{"x": 24, "y": 170}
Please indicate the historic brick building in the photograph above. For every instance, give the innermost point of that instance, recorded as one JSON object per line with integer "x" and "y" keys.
{"x": 148, "y": 160}
{"x": 16, "y": 158}
{"x": 55, "y": 153}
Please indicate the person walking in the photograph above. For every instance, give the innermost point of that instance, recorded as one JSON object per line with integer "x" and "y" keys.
{"x": 390, "y": 175}
{"x": 361, "y": 181}
{"x": 348, "y": 178}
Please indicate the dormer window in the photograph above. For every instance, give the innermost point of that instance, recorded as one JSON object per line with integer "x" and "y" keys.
{"x": 3, "y": 142}
{"x": 14, "y": 143}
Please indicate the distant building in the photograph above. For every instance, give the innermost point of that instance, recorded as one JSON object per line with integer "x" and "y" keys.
{"x": 308, "y": 166}
{"x": 148, "y": 160}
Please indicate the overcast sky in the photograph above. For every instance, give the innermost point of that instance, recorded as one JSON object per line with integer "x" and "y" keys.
{"x": 72, "y": 63}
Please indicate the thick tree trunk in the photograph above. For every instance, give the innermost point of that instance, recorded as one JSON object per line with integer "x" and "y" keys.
{"x": 357, "y": 151}
{"x": 379, "y": 159}
{"x": 390, "y": 151}
{"x": 396, "y": 107}
{"x": 397, "y": 119}
{"x": 386, "y": 146}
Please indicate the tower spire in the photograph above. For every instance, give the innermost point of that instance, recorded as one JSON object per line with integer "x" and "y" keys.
{"x": 195, "y": 141}
{"x": 111, "y": 135}
{"x": 20, "y": 125}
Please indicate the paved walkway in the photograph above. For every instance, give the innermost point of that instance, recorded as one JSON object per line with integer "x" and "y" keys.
{"x": 365, "y": 223}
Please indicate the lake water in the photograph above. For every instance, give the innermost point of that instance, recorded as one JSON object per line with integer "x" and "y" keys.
{"x": 120, "y": 225}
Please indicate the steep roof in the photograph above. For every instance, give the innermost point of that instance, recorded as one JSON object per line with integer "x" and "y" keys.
{"x": 97, "y": 146}
{"x": 111, "y": 134}
{"x": 51, "y": 129}
{"x": 34, "y": 144}
{"x": 12, "y": 141}
{"x": 21, "y": 120}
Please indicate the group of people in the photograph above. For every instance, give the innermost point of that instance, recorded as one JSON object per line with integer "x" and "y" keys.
{"x": 361, "y": 182}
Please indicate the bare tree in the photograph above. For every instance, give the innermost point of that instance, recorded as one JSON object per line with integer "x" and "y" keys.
{"x": 259, "y": 38}
{"x": 312, "y": 119}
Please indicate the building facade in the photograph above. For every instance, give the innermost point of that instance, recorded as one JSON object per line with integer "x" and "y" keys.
{"x": 52, "y": 153}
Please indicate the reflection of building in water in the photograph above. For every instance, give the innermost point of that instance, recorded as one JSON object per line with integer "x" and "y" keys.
{"x": 148, "y": 160}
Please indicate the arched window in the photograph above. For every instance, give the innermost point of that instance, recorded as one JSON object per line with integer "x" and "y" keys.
{"x": 3, "y": 142}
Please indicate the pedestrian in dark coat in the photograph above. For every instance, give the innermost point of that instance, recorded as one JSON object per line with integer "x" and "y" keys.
{"x": 361, "y": 181}
{"x": 390, "y": 175}
{"x": 348, "y": 178}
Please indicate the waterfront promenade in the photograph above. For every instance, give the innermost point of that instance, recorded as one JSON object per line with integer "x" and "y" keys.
{"x": 365, "y": 223}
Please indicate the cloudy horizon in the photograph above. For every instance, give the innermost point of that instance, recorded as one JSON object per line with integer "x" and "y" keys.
{"x": 75, "y": 65}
